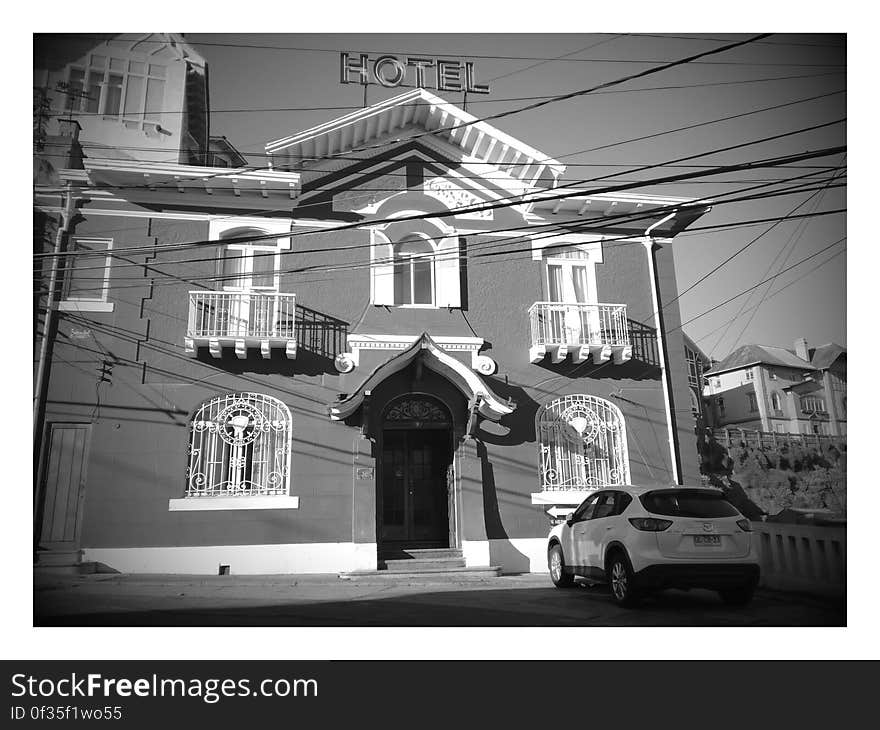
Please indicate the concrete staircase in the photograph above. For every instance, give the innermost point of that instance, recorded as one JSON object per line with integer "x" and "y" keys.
{"x": 444, "y": 564}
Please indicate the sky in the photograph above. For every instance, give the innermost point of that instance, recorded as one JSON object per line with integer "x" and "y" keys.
{"x": 267, "y": 86}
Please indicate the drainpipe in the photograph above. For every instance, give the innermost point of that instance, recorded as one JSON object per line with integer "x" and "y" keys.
{"x": 661, "y": 347}
{"x": 41, "y": 384}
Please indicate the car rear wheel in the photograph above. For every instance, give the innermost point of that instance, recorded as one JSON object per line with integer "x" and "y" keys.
{"x": 737, "y": 596}
{"x": 622, "y": 581}
{"x": 556, "y": 563}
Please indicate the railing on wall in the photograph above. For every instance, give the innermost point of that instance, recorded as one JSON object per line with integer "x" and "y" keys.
{"x": 599, "y": 331}
{"x": 770, "y": 439}
{"x": 553, "y": 323}
{"x": 241, "y": 314}
{"x": 806, "y": 558}
{"x": 244, "y": 319}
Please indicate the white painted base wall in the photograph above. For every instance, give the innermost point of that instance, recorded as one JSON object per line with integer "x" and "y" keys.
{"x": 515, "y": 555}
{"x": 241, "y": 559}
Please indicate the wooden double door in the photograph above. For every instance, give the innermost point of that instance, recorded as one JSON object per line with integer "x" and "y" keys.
{"x": 416, "y": 494}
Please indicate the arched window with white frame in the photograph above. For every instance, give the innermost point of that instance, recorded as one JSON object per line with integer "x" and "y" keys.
{"x": 582, "y": 444}
{"x": 239, "y": 445}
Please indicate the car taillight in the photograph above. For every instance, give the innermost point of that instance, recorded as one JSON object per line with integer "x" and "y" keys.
{"x": 744, "y": 525}
{"x": 649, "y": 524}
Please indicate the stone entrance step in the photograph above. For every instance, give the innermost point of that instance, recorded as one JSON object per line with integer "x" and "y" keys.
{"x": 425, "y": 574}
{"x": 413, "y": 565}
{"x": 423, "y": 553}
{"x": 413, "y": 560}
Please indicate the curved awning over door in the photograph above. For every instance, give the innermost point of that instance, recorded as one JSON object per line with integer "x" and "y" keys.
{"x": 434, "y": 357}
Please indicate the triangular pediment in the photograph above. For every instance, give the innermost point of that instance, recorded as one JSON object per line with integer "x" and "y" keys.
{"x": 415, "y": 115}
{"x": 412, "y": 177}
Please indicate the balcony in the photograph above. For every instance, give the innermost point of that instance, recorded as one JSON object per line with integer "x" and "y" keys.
{"x": 241, "y": 320}
{"x": 599, "y": 331}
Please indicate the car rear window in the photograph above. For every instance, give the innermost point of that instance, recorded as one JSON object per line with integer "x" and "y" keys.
{"x": 685, "y": 503}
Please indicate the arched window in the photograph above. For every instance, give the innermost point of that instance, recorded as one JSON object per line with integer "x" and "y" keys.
{"x": 776, "y": 401}
{"x": 239, "y": 446}
{"x": 414, "y": 271}
{"x": 583, "y": 444}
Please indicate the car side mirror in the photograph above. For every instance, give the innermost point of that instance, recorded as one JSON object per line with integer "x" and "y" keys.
{"x": 569, "y": 519}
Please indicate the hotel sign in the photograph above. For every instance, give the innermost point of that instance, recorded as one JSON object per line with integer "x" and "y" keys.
{"x": 390, "y": 71}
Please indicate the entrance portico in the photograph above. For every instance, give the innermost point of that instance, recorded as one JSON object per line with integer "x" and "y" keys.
{"x": 418, "y": 412}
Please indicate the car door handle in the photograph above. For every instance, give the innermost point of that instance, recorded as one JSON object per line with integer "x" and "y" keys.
{"x": 609, "y": 527}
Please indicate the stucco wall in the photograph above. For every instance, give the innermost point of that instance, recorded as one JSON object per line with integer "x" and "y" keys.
{"x": 139, "y": 446}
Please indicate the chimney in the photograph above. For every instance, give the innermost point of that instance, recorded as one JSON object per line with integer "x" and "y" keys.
{"x": 801, "y": 349}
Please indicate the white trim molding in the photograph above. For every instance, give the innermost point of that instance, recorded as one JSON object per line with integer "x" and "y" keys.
{"x": 588, "y": 242}
{"x": 84, "y": 305}
{"x": 208, "y": 504}
{"x": 513, "y": 555}
{"x": 285, "y": 558}
{"x": 217, "y": 227}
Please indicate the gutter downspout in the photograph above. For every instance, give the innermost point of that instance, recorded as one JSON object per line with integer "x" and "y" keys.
{"x": 48, "y": 321}
{"x": 661, "y": 347}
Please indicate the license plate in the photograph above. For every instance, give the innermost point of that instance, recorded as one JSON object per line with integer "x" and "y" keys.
{"x": 707, "y": 540}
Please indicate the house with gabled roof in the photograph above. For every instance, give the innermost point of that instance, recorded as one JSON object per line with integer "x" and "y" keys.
{"x": 404, "y": 334}
{"x": 768, "y": 388}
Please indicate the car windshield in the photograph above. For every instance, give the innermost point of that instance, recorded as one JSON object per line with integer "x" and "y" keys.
{"x": 687, "y": 503}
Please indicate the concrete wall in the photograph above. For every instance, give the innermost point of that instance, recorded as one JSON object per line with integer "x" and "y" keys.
{"x": 805, "y": 558}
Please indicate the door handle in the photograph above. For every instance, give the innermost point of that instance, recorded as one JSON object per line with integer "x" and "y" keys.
{"x": 609, "y": 527}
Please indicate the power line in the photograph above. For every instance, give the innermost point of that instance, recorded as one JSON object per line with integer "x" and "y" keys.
{"x": 714, "y": 121}
{"x": 619, "y": 240}
{"x": 590, "y": 149}
{"x": 664, "y": 66}
{"x": 764, "y": 43}
{"x": 527, "y": 231}
{"x": 760, "y": 283}
{"x": 750, "y": 243}
{"x": 312, "y": 49}
{"x": 361, "y": 224}
{"x": 558, "y": 196}
{"x": 536, "y": 105}
{"x": 791, "y": 246}
{"x": 778, "y": 291}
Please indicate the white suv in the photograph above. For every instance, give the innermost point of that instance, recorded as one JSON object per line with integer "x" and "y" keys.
{"x": 639, "y": 539}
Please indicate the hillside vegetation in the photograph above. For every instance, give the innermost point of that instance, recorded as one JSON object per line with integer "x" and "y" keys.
{"x": 769, "y": 480}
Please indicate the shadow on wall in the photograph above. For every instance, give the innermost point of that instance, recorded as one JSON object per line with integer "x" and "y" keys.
{"x": 644, "y": 343}
{"x": 320, "y": 334}
{"x": 501, "y": 550}
{"x": 519, "y": 426}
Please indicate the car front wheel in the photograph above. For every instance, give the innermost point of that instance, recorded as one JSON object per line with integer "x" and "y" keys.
{"x": 621, "y": 581}
{"x": 556, "y": 563}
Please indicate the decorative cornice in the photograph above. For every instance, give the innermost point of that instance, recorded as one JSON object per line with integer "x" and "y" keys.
{"x": 348, "y": 361}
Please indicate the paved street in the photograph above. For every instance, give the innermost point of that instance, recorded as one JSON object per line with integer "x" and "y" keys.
{"x": 516, "y": 600}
